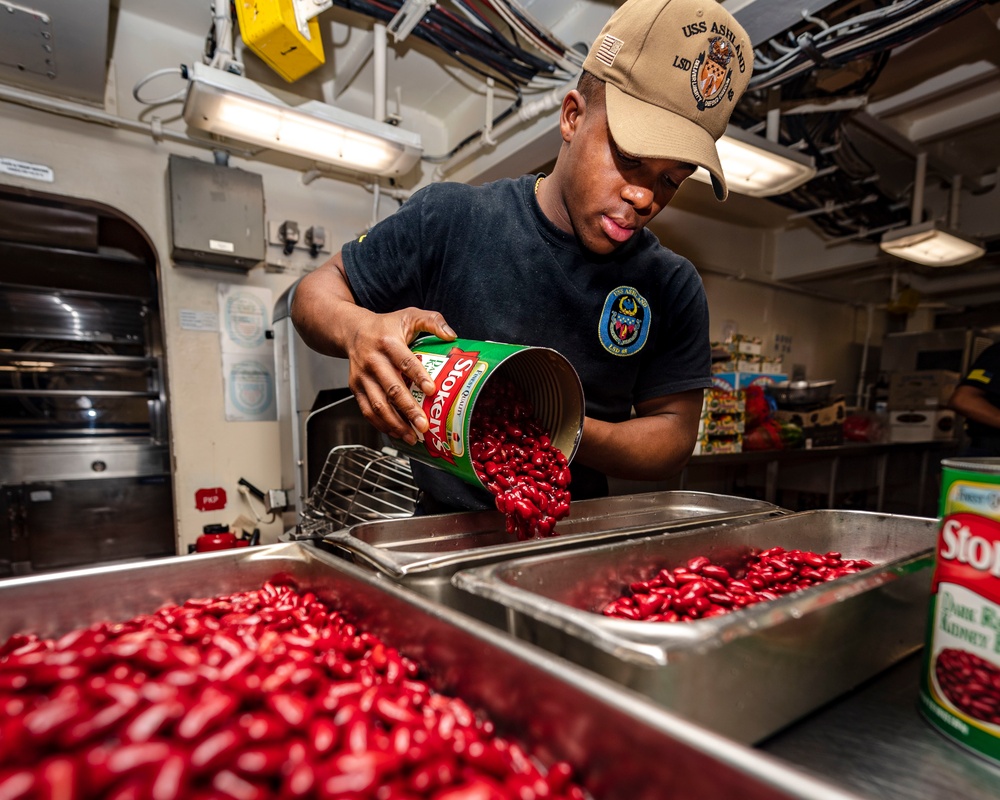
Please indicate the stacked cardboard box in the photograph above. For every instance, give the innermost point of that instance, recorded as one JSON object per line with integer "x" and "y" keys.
{"x": 745, "y": 355}
{"x": 735, "y": 381}
{"x": 723, "y": 420}
{"x": 821, "y": 427}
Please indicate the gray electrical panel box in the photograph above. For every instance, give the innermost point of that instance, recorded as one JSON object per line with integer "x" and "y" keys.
{"x": 216, "y": 215}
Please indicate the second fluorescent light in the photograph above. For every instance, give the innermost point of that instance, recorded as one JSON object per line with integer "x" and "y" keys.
{"x": 757, "y": 167}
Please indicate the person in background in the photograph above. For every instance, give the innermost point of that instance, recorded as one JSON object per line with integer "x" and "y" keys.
{"x": 561, "y": 260}
{"x": 977, "y": 398}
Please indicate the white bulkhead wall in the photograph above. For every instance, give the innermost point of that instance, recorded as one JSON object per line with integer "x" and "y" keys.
{"x": 128, "y": 172}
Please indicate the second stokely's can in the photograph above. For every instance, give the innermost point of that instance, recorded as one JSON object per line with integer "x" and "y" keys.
{"x": 960, "y": 682}
{"x": 462, "y": 368}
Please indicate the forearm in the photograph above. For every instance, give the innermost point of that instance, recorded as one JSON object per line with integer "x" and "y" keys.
{"x": 324, "y": 312}
{"x": 646, "y": 448}
{"x": 973, "y": 404}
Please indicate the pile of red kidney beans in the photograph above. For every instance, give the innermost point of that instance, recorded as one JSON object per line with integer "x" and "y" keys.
{"x": 515, "y": 459}
{"x": 701, "y": 589}
{"x": 261, "y": 694}
{"x": 970, "y": 683}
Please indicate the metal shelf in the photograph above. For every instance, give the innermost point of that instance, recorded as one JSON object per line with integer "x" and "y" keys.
{"x": 76, "y": 393}
{"x": 76, "y": 359}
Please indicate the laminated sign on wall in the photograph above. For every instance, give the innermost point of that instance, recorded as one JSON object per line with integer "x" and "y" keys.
{"x": 247, "y": 353}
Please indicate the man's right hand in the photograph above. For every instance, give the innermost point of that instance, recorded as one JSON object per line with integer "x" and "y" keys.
{"x": 382, "y": 366}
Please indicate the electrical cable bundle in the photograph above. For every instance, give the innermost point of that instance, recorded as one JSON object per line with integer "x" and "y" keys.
{"x": 862, "y": 36}
{"x": 476, "y": 42}
{"x": 844, "y": 200}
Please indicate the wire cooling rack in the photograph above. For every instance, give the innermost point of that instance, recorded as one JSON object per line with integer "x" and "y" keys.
{"x": 358, "y": 484}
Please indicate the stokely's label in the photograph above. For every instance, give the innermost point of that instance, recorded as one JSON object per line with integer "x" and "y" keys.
{"x": 456, "y": 376}
{"x": 969, "y": 554}
{"x": 461, "y": 369}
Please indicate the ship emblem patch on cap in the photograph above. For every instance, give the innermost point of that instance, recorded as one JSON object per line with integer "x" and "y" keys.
{"x": 624, "y": 322}
{"x": 608, "y": 50}
{"x": 710, "y": 73}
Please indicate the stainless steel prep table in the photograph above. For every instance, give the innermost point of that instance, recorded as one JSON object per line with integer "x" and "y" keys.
{"x": 874, "y": 742}
{"x": 896, "y": 478}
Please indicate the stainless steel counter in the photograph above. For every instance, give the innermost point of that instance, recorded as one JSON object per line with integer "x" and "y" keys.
{"x": 874, "y": 742}
{"x": 895, "y": 478}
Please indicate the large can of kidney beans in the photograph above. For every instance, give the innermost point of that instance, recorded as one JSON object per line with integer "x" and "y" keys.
{"x": 462, "y": 369}
{"x": 960, "y": 684}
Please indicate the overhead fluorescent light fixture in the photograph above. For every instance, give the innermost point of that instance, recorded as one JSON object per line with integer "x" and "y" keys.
{"x": 757, "y": 167}
{"x": 229, "y": 105}
{"x": 929, "y": 244}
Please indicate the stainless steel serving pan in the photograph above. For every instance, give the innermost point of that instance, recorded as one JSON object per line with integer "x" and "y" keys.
{"x": 745, "y": 674}
{"x": 423, "y": 553}
{"x": 623, "y": 747}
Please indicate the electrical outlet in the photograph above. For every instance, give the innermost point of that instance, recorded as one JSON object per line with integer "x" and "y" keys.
{"x": 275, "y": 239}
{"x": 276, "y": 501}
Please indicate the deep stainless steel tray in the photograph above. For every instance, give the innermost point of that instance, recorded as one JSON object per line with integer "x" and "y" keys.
{"x": 623, "y": 747}
{"x": 749, "y": 673}
{"x": 423, "y": 553}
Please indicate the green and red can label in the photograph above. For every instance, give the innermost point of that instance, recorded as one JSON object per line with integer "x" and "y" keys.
{"x": 456, "y": 377}
{"x": 461, "y": 369}
{"x": 960, "y": 683}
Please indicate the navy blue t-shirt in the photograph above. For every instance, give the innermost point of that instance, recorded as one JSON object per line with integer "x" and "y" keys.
{"x": 633, "y": 323}
{"x": 984, "y": 374}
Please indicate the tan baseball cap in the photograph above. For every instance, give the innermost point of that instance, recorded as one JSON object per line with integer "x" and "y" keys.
{"x": 674, "y": 71}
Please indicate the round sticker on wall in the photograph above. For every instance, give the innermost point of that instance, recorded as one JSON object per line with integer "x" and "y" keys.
{"x": 246, "y": 319}
{"x": 250, "y": 388}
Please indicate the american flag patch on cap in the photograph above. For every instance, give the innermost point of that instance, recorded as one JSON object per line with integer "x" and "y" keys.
{"x": 609, "y": 47}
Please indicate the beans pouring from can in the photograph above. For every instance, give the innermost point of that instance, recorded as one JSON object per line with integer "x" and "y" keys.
{"x": 516, "y": 461}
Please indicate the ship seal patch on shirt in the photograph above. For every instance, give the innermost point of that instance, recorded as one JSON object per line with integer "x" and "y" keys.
{"x": 624, "y": 322}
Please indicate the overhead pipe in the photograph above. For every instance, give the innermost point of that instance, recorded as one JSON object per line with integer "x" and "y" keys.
{"x": 379, "y": 61}
{"x": 224, "y": 54}
{"x": 917, "y": 209}
{"x": 528, "y": 111}
{"x": 54, "y": 105}
{"x": 953, "y": 198}
{"x": 861, "y": 397}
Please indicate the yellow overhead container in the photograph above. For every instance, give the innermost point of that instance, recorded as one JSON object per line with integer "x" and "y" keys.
{"x": 268, "y": 28}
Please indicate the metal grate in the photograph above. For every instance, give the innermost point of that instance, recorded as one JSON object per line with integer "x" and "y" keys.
{"x": 358, "y": 484}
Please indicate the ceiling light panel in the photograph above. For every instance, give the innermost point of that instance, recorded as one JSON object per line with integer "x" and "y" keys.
{"x": 229, "y": 105}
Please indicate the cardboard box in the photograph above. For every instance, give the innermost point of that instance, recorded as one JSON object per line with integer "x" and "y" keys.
{"x": 723, "y": 402}
{"x": 823, "y": 435}
{"x": 922, "y": 390}
{"x": 720, "y": 425}
{"x": 706, "y": 447}
{"x": 833, "y": 414}
{"x": 922, "y": 426}
{"x": 732, "y": 381}
{"x": 749, "y": 345}
{"x": 821, "y": 427}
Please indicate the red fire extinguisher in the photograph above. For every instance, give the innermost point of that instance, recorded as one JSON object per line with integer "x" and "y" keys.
{"x": 219, "y": 537}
